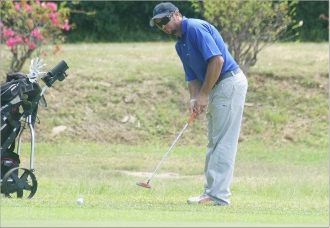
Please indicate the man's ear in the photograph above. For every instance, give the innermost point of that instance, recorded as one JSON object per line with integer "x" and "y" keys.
{"x": 176, "y": 14}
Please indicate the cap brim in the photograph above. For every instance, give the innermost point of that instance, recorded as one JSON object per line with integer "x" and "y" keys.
{"x": 161, "y": 15}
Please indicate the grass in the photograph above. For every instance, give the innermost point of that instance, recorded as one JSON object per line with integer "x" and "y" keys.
{"x": 273, "y": 186}
{"x": 124, "y": 104}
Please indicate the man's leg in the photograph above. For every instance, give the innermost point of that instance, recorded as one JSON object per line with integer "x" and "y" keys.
{"x": 224, "y": 115}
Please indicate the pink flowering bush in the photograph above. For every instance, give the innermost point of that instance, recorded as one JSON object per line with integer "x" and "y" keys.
{"x": 27, "y": 26}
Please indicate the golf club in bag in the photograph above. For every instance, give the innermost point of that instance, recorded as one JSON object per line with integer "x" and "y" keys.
{"x": 146, "y": 185}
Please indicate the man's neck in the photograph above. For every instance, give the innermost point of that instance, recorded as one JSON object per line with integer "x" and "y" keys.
{"x": 178, "y": 31}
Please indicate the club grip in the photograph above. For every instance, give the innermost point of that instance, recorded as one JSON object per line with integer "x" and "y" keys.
{"x": 192, "y": 116}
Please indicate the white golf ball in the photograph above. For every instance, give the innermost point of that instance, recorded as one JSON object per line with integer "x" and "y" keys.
{"x": 80, "y": 201}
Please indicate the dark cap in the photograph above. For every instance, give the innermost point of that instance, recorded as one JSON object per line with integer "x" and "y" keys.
{"x": 161, "y": 10}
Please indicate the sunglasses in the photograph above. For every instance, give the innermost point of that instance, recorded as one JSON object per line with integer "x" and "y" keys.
{"x": 165, "y": 20}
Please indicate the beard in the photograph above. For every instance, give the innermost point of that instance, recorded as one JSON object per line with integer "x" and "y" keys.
{"x": 173, "y": 31}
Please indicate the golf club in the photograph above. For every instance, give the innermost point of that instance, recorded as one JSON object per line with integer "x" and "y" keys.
{"x": 146, "y": 185}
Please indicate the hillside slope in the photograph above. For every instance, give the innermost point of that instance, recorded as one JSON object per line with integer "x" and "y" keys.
{"x": 134, "y": 93}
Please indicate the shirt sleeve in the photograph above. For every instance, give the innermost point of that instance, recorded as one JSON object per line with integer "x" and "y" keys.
{"x": 202, "y": 37}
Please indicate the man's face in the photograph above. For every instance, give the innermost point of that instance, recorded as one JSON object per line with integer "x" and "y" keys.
{"x": 166, "y": 24}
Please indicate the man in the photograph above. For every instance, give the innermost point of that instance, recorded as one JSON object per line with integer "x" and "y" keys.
{"x": 217, "y": 86}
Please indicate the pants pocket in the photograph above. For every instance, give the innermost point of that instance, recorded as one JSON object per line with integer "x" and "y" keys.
{"x": 227, "y": 87}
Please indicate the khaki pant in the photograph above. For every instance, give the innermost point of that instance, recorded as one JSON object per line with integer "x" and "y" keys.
{"x": 224, "y": 115}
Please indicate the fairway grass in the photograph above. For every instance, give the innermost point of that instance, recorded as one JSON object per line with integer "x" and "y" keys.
{"x": 274, "y": 187}
{"x": 122, "y": 105}
{"x": 147, "y": 218}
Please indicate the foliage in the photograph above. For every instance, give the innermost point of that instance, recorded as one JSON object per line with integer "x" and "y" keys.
{"x": 27, "y": 26}
{"x": 111, "y": 21}
{"x": 118, "y": 21}
{"x": 315, "y": 28}
{"x": 247, "y": 26}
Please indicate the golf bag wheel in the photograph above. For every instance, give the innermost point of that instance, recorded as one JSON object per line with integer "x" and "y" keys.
{"x": 12, "y": 183}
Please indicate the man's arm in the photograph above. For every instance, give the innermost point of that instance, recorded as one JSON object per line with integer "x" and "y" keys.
{"x": 194, "y": 87}
{"x": 212, "y": 73}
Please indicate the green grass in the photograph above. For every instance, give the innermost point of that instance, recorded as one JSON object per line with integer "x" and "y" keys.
{"x": 124, "y": 104}
{"x": 273, "y": 186}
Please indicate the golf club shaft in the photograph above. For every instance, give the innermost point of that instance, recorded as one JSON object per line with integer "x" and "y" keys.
{"x": 185, "y": 126}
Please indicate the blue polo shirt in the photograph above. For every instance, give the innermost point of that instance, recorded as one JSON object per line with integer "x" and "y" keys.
{"x": 200, "y": 41}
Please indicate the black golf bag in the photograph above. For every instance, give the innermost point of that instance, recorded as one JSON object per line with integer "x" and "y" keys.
{"x": 19, "y": 106}
{"x": 16, "y": 96}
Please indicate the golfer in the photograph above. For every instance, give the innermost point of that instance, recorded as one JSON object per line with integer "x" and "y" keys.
{"x": 217, "y": 86}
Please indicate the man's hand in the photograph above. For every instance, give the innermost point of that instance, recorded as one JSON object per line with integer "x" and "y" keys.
{"x": 192, "y": 105}
{"x": 201, "y": 103}
{"x": 212, "y": 74}
{"x": 35, "y": 66}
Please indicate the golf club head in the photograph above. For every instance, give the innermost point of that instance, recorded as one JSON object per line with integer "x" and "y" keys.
{"x": 145, "y": 185}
